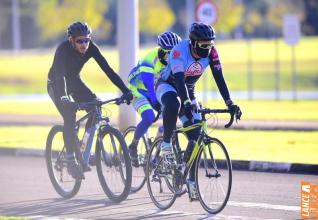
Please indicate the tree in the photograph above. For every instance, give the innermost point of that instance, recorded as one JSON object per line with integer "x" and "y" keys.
{"x": 310, "y": 26}
{"x": 264, "y": 18}
{"x": 229, "y": 15}
{"x": 5, "y": 13}
{"x": 155, "y": 16}
{"x": 54, "y": 16}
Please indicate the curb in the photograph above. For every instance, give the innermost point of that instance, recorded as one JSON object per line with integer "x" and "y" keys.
{"x": 261, "y": 166}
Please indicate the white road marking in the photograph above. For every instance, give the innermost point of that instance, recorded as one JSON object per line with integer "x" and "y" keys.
{"x": 179, "y": 214}
{"x": 264, "y": 206}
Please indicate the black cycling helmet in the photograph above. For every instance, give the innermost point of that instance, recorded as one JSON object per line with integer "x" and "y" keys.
{"x": 200, "y": 31}
{"x": 78, "y": 29}
{"x": 167, "y": 40}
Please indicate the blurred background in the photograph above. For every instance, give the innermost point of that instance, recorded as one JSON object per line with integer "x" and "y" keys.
{"x": 268, "y": 50}
{"x": 250, "y": 39}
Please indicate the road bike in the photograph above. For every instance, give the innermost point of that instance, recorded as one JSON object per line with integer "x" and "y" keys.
{"x": 213, "y": 168}
{"x": 112, "y": 159}
{"x": 144, "y": 145}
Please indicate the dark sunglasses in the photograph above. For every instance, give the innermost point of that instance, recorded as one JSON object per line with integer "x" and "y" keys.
{"x": 83, "y": 41}
{"x": 165, "y": 51}
{"x": 205, "y": 45}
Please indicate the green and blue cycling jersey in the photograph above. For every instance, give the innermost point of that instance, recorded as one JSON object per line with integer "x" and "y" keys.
{"x": 141, "y": 80}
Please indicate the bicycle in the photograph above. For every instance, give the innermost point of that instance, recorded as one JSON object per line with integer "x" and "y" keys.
{"x": 213, "y": 168}
{"x": 111, "y": 154}
{"x": 144, "y": 145}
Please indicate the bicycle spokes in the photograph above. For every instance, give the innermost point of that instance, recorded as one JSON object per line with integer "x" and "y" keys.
{"x": 214, "y": 178}
{"x": 160, "y": 178}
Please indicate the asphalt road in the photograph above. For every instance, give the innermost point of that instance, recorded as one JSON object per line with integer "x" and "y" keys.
{"x": 25, "y": 190}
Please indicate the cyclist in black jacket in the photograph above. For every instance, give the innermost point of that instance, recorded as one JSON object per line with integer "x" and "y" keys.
{"x": 64, "y": 81}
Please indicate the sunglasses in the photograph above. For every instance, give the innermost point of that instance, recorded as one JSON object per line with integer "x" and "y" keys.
{"x": 205, "y": 45}
{"x": 166, "y": 51}
{"x": 83, "y": 41}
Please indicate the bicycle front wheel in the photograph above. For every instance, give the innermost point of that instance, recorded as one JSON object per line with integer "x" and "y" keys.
{"x": 213, "y": 176}
{"x": 56, "y": 163}
{"x": 113, "y": 164}
{"x": 138, "y": 173}
{"x": 159, "y": 178}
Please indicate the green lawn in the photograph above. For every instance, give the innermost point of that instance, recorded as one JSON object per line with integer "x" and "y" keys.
{"x": 27, "y": 72}
{"x": 259, "y": 110}
{"x": 275, "y": 146}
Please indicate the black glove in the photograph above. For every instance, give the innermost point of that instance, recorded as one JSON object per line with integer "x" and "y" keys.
{"x": 156, "y": 106}
{"x": 128, "y": 96}
{"x": 238, "y": 112}
{"x": 236, "y": 109}
{"x": 188, "y": 110}
{"x": 68, "y": 104}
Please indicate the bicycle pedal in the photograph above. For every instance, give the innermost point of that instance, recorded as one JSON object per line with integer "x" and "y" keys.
{"x": 169, "y": 156}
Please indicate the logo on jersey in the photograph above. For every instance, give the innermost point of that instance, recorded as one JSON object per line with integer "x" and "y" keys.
{"x": 176, "y": 53}
{"x": 194, "y": 69}
{"x": 215, "y": 55}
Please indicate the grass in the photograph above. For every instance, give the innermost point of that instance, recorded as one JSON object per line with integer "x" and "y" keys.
{"x": 27, "y": 72}
{"x": 274, "y": 146}
{"x": 12, "y": 218}
{"x": 252, "y": 110}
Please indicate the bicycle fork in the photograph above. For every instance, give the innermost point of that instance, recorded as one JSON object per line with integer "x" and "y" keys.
{"x": 207, "y": 151}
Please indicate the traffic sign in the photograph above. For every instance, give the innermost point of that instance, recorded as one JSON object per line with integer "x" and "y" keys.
{"x": 291, "y": 29}
{"x": 206, "y": 12}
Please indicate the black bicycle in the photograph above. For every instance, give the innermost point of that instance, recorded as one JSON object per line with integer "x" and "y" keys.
{"x": 213, "y": 168}
{"x": 144, "y": 145}
{"x": 111, "y": 155}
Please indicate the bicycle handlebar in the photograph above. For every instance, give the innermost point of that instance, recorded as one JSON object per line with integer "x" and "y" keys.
{"x": 84, "y": 105}
{"x": 205, "y": 111}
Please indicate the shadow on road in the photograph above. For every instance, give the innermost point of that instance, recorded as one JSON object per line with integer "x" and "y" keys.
{"x": 93, "y": 206}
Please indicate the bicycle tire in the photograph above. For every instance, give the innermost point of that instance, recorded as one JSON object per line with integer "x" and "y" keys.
{"x": 113, "y": 162}
{"x": 59, "y": 164}
{"x": 138, "y": 173}
{"x": 154, "y": 164}
{"x": 180, "y": 189}
{"x": 217, "y": 160}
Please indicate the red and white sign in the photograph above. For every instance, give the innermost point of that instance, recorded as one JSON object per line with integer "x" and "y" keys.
{"x": 206, "y": 12}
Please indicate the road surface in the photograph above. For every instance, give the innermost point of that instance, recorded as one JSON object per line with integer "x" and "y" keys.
{"x": 25, "y": 190}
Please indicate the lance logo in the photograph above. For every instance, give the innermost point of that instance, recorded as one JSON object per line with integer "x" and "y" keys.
{"x": 309, "y": 200}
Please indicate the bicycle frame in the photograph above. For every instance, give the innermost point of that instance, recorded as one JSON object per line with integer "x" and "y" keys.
{"x": 200, "y": 143}
{"x": 91, "y": 114}
{"x": 197, "y": 146}
{"x": 97, "y": 118}
{"x": 174, "y": 172}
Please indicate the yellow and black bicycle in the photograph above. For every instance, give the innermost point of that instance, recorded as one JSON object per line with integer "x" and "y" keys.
{"x": 213, "y": 168}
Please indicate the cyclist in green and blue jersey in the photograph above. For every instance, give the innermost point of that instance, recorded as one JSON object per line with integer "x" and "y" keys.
{"x": 141, "y": 83}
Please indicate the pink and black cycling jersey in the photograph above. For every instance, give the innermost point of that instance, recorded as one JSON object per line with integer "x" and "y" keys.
{"x": 181, "y": 61}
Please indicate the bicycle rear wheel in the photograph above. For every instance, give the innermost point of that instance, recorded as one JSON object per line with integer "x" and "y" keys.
{"x": 213, "y": 176}
{"x": 138, "y": 173}
{"x": 113, "y": 164}
{"x": 159, "y": 178}
{"x": 55, "y": 155}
